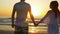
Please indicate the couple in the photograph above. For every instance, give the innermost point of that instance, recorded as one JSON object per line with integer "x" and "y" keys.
{"x": 22, "y": 8}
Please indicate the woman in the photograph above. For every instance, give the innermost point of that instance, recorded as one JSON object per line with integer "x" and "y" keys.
{"x": 52, "y": 15}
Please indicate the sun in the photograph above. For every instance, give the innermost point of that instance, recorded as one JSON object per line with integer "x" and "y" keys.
{"x": 36, "y": 11}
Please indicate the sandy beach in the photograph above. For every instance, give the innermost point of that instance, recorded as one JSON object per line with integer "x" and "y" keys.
{"x": 7, "y": 29}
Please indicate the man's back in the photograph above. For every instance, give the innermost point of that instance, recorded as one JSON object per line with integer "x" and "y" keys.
{"x": 22, "y": 9}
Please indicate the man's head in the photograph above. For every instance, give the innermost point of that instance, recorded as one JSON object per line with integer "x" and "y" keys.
{"x": 54, "y": 5}
{"x": 23, "y": 0}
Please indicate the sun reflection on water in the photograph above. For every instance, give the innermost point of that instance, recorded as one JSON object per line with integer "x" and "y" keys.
{"x": 38, "y": 29}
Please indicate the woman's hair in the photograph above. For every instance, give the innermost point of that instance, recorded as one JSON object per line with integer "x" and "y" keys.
{"x": 54, "y": 4}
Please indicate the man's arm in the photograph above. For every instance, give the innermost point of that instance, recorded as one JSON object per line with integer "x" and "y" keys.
{"x": 32, "y": 17}
{"x": 13, "y": 13}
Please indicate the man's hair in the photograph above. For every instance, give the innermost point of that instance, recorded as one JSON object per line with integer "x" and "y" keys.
{"x": 54, "y": 4}
{"x": 22, "y": 0}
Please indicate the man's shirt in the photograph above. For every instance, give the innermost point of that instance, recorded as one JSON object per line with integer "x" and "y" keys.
{"x": 22, "y": 9}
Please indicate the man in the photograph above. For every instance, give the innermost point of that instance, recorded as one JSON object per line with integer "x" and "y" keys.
{"x": 21, "y": 9}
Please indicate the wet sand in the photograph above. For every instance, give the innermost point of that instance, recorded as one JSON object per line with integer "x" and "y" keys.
{"x": 7, "y": 29}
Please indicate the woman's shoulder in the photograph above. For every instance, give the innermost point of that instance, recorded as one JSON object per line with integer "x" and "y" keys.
{"x": 49, "y": 11}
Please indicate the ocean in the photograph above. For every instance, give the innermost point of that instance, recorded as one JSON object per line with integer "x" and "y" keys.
{"x": 5, "y": 27}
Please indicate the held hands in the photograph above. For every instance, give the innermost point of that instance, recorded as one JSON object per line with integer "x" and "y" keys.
{"x": 36, "y": 24}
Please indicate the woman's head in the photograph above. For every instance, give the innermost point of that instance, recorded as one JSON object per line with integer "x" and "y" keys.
{"x": 54, "y": 5}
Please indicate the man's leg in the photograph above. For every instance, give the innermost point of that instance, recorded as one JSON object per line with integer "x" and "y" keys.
{"x": 25, "y": 31}
{"x": 17, "y": 30}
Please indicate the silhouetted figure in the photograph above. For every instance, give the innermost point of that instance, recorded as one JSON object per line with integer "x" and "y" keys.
{"x": 21, "y": 9}
{"x": 52, "y": 16}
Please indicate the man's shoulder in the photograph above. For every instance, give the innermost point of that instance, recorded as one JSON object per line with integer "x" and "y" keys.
{"x": 23, "y": 3}
{"x": 16, "y": 4}
{"x": 27, "y": 4}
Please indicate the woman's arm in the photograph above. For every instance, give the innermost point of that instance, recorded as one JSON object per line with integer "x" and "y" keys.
{"x": 43, "y": 18}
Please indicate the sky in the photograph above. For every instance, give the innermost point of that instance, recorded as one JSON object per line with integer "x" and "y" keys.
{"x": 39, "y": 7}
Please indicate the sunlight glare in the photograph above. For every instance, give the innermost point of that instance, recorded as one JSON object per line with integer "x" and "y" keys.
{"x": 32, "y": 30}
{"x": 36, "y": 11}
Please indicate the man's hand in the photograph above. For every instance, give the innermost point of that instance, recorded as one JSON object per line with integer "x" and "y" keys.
{"x": 35, "y": 24}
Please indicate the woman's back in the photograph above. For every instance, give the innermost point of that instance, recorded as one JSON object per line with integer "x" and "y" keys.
{"x": 51, "y": 17}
